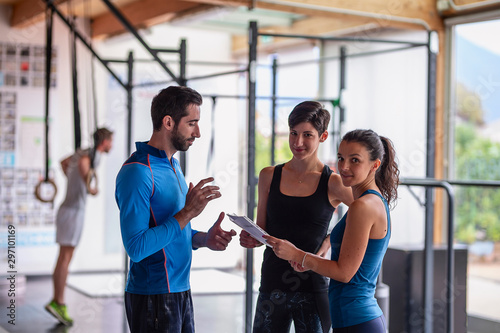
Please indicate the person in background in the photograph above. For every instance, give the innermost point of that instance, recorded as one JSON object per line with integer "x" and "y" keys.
{"x": 296, "y": 202}
{"x": 71, "y": 214}
{"x": 366, "y": 163}
{"x": 156, "y": 207}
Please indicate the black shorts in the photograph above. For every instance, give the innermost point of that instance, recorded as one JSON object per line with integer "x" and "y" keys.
{"x": 275, "y": 312}
{"x": 172, "y": 313}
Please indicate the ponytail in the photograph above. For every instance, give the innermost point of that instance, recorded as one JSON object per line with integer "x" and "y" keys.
{"x": 387, "y": 176}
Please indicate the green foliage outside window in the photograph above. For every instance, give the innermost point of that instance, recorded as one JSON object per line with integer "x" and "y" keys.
{"x": 476, "y": 158}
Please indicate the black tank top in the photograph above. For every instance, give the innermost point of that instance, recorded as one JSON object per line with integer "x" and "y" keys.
{"x": 303, "y": 221}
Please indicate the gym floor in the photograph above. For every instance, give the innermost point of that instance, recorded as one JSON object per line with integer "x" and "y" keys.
{"x": 213, "y": 312}
{"x": 218, "y": 305}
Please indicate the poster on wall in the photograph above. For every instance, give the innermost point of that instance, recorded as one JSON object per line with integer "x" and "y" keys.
{"x": 25, "y": 222}
{"x": 24, "y": 65}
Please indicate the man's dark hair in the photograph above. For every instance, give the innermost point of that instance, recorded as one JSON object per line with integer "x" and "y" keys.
{"x": 173, "y": 101}
{"x": 101, "y": 134}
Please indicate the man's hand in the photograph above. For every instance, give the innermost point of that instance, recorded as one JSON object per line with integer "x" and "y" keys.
{"x": 197, "y": 199}
{"x": 217, "y": 239}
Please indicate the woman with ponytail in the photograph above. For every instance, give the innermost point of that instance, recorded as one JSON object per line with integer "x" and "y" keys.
{"x": 366, "y": 163}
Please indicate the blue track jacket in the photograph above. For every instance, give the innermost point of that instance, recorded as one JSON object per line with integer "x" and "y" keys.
{"x": 150, "y": 190}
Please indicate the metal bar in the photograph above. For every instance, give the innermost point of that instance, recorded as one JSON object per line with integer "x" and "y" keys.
{"x": 428, "y": 183}
{"x": 344, "y": 39}
{"x": 148, "y": 84}
{"x": 77, "y": 34}
{"x": 295, "y": 63}
{"x": 251, "y": 181}
{"x": 428, "y": 287}
{"x": 354, "y": 55}
{"x": 371, "y": 53}
{"x": 129, "y": 88}
{"x": 130, "y": 76}
{"x": 198, "y": 63}
{"x": 208, "y": 76}
{"x": 164, "y": 50}
{"x": 49, "y": 20}
{"x": 487, "y": 183}
{"x": 134, "y": 32}
{"x": 273, "y": 109}
{"x": 183, "y": 82}
{"x": 77, "y": 128}
{"x": 413, "y": 194}
{"x": 343, "y": 56}
{"x": 182, "y": 62}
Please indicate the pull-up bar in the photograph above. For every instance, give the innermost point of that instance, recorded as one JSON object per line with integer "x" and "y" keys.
{"x": 343, "y": 39}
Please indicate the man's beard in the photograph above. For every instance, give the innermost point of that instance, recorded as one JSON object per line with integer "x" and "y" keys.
{"x": 180, "y": 143}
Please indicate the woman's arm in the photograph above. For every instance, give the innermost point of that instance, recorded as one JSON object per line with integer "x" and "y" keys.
{"x": 265, "y": 177}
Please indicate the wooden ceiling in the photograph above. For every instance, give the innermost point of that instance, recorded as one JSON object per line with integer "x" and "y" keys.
{"x": 319, "y": 17}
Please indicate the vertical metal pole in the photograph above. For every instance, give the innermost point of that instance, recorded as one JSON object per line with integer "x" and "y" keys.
{"x": 273, "y": 109}
{"x": 74, "y": 78}
{"x": 49, "y": 20}
{"x": 182, "y": 63}
{"x": 337, "y": 137}
{"x": 251, "y": 180}
{"x": 129, "y": 88}
{"x": 428, "y": 288}
{"x": 343, "y": 53}
{"x": 182, "y": 82}
{"x": 130, "y": 62}
{"x": 451, "y": 264}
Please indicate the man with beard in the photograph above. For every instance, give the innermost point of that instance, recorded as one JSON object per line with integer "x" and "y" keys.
{"x": 156, "y": 207}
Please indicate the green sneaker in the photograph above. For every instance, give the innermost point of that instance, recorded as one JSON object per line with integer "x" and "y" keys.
{"x": 60, "y": 312}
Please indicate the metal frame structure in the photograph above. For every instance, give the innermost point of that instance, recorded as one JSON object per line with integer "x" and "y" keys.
{"x": 253, "y": 35}
{"x": 430, "y": 141}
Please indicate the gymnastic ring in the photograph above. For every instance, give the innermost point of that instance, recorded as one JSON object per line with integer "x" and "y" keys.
{"x": 46, "y": 196}
{"x": 91, "y": 176}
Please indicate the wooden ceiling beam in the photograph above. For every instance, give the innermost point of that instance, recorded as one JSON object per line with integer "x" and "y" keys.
{"x": 28, "y": 12}
{"x": 230, "y": 3}
{"x": 140, "y": 14}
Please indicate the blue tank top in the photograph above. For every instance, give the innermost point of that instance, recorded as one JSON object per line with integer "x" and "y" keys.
{"x": 354, "y": 302}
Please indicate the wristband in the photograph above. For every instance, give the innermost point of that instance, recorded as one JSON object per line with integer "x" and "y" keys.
{"x": 303, "y": 259}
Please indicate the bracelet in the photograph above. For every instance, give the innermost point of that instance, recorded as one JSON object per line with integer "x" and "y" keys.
{"x": 303, "y": 259}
